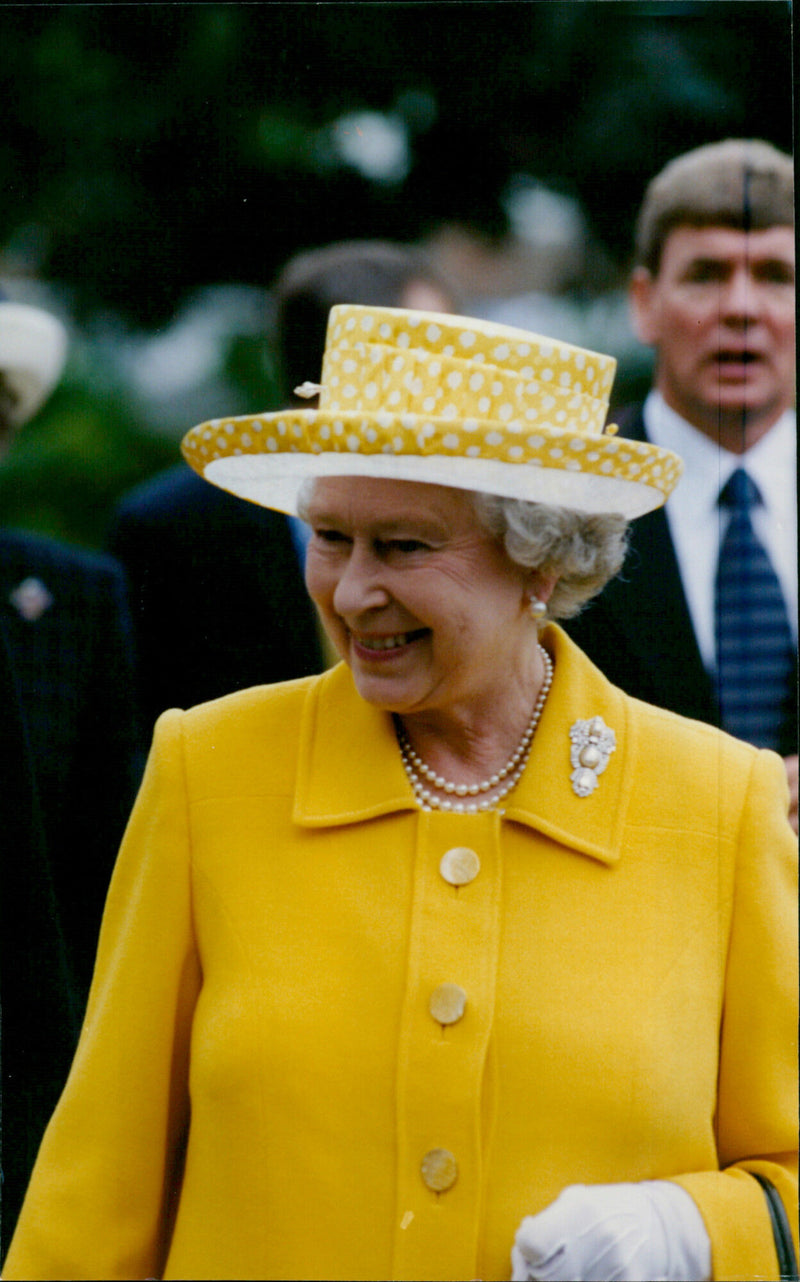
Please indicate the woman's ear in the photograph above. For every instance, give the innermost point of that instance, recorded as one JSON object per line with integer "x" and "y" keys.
{"x": 539, "y": 586}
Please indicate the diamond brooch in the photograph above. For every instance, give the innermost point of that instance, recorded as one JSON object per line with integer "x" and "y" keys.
{"x": 591, "y": 745}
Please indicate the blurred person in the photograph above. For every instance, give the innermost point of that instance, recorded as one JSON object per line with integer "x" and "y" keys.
{"x": 69, "y": 772}
{"x": 217, "y": 585}
{"x": 703, "y": 618}
{"x": 455, "y": 952}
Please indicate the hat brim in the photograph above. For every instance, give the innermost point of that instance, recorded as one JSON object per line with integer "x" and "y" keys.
{"x": 33, "y": 350}
{"x": 266, "y": 459}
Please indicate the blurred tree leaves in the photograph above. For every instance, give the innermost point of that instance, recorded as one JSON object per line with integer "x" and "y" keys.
{"x": 66, "y": 468}
{"x": 155, "y": 147}
{"x": 148, "y": 150}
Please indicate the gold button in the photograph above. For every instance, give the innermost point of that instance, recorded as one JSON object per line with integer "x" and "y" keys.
{"x": 460, "y": 865}
{"x": 439, "y": 1169}
{"x": 447, "y": 1003}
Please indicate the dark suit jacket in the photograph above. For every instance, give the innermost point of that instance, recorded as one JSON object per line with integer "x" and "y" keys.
{"x": 70, "y": 763}
{"x": 639, "y": 631}
{"x": 218, "y": 596}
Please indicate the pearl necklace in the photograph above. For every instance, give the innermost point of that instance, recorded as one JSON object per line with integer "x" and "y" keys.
{"x": 499, "y": 784}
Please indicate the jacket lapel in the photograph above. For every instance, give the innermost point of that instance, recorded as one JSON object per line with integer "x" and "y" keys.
{"x": 649, "y": 610}
{"x": 544, "y": 799}
{"x": 350, "y": 768}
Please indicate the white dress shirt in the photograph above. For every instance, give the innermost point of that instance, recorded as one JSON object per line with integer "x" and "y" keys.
{"x": 697, "y": 523}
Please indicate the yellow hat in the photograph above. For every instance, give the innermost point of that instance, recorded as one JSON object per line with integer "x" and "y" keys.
{"x": 418, "y": 396}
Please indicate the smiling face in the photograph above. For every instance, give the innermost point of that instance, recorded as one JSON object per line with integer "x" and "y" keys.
{"x": 423, "y": 605}
{"x": 721, "y": 316}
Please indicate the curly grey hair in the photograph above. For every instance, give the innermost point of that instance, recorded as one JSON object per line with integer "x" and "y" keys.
{"x": 584, "y": 551}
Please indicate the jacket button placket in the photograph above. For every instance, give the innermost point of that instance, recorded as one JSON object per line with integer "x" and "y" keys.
{"x": 444, "y": 1040}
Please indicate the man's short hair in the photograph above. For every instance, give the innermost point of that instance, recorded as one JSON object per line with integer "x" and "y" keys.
{"x": 742, "y": 183}
{"x": 372, "y": 272}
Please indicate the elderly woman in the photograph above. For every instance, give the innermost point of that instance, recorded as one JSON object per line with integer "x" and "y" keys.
{"x": 454, "y": 961}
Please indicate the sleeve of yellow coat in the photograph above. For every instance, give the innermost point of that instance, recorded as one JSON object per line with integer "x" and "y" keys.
{"x": 97, "y": 1203}
{"x": 756, "y": 1120}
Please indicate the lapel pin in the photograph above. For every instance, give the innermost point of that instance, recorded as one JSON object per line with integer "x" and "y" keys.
{"x": 592, "y": 743}
{"x": 30, "y": 599}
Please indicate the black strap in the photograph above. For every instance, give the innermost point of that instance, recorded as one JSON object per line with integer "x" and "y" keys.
{"x": 784, "y": 1246}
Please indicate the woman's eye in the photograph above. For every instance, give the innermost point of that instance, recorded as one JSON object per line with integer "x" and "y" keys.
{"x": 330, "y": 536}
{"x": 407, "y": 545}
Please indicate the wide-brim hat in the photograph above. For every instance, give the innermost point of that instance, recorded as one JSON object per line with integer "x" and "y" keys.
{"x": 33, "y": 349}
{"x": 447, "y": 400}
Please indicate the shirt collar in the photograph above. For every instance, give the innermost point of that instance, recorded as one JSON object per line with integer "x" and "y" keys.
{"x": 707, "y": 466}
{"x": 350, "y": 769}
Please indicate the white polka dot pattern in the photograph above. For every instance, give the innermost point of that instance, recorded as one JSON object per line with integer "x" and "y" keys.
{"x": 413, "y": 383}
{"x": 415, "y": 434}
{"x": 406, "y": 362}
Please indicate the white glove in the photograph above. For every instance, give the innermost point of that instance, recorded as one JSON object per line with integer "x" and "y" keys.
{"x": 646, "y": 1232}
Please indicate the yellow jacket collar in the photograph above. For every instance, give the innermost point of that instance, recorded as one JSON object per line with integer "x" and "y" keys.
{"x": 544, "y": 798}
{"x": 350, "y": 768}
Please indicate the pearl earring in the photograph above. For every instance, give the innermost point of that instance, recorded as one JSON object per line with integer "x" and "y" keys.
{"x": 537, "y": 609}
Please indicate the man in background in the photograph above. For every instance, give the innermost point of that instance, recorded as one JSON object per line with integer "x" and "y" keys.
{"x": 70, "y": 765}
{"x": 702, "y": 619}
{"x": 217, "y": 584}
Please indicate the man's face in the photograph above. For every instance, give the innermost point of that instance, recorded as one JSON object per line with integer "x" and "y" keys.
{"x": 721, "y": 316}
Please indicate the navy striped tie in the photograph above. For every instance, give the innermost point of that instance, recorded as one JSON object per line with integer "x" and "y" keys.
{"x": 755, "y": 652}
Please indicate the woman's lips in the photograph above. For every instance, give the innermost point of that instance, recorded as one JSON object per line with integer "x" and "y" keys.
{"x": 389, "y": 643}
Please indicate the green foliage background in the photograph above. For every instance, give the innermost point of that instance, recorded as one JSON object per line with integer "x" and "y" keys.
{"x": 148, "y": 150}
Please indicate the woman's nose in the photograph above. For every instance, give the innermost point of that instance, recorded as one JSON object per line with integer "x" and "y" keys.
{"x": 359, "y": 586}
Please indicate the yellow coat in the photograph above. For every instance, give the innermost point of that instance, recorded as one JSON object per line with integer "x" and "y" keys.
{"x": 276, "y": 925}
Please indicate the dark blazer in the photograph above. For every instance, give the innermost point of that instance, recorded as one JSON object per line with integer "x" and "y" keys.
{"x": 218, "y": 597}
{"x": 70, "y": 756}
{"x": 639, "y": 631}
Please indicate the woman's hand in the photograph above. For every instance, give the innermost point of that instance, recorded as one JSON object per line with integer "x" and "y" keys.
{"x": 647, "y": 1232}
